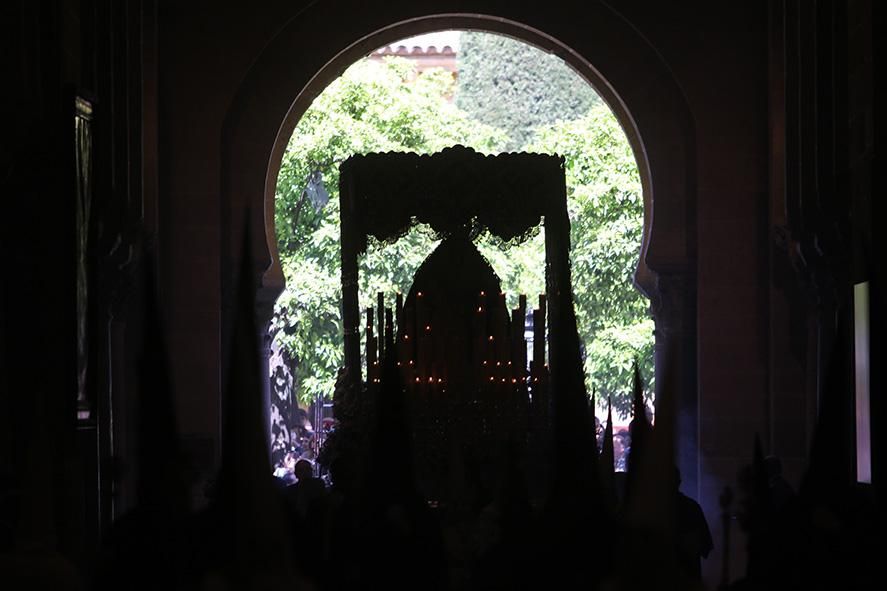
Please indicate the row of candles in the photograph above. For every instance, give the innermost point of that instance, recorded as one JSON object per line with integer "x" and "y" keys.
{"x": 498, "y": 347}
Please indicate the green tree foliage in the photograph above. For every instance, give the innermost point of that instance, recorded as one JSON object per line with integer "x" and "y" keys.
{"x": 517, "y": 87}
{"x": 382, "y": 106}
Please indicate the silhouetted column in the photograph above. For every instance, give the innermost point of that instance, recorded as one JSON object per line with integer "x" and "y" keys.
{"x": 350, "y": 241}
{"x": 265, "y": 359}
{"x": 674, "y": 311}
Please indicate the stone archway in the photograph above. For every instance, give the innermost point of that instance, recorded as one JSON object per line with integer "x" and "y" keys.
{"x": 610, "y": 54}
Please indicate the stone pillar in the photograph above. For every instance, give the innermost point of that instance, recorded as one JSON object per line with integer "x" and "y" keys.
{"x": 674, "y": 312}
{"x": 264, "y": 364}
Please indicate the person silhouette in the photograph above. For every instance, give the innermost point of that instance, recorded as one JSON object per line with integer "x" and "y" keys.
{"x": 307, "y": 491}
{"x": 693, "y": 538}
{"x": 781, "y": 492}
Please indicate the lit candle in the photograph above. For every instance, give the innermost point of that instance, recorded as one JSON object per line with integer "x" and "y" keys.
{"x": 405, "y": 349}
{"x": 421, "y": 319}
{"x": 478, "y": 329}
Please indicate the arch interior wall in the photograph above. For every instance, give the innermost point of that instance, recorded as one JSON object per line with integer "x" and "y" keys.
{"x": 748, "y": 147}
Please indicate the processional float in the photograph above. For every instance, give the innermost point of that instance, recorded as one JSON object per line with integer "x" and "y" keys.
{"x": 461, "y": 354}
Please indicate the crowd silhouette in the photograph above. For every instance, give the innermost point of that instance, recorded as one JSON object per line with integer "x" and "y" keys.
{"x": 595, "y": 529}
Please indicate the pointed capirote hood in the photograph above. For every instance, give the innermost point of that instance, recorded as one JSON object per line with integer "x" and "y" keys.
{"x": 247, "y": 500}
{"x": 639, "y": 427}
{"x": 829, "y": 473}
{"x": 35, "y": 561}
{"x": 574, "y": 481}
{"x": 36, "y": 531}
{"x": 651, "y": 502}
{"x": 648, "y": 560}
{"x": 161, "y": 479}
{"x": 391, "y": 440}
{"x": 607, "y": 462}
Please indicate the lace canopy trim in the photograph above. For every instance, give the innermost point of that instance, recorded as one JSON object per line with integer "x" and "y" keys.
{"x": 456, "y": 191}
